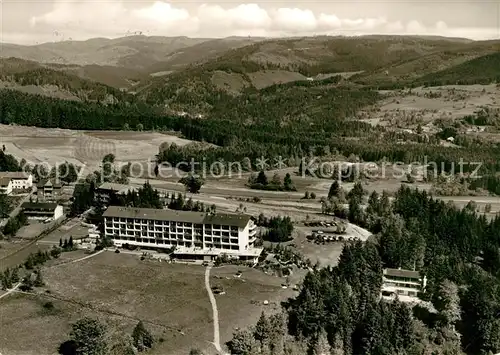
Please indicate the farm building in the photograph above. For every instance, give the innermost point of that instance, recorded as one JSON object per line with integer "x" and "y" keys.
{"x": 42, "y": 211}
{"x": 19, "y": 180}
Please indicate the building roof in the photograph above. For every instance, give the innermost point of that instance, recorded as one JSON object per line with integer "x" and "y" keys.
{"x": 119, "y": 188}
{"x": 4, "y": 181}
{"x": 39, "y": 206}
{"x": 49, "y": 182}
{"x": 14, "y": 174}
{"x": 236, "y": 220}
{"x": 402, "y": 273}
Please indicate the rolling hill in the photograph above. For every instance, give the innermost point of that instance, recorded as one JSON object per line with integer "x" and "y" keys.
{"x": 409, "y": 69}
{"x": 480, "y": 70}
{"x": 135, "y": 52}
{"x": 35, "y": 78}
{"x": 186, "y": 73}
{"x": 372, "y": 59}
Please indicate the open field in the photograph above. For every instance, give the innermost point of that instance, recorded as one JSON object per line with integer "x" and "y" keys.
{"x": 51, "y": 146}
{"x": 244, "y": 299}
{"x": 404, "y": 109}
{"x": 16, "y": 251}
{"x": 120, "y": 289}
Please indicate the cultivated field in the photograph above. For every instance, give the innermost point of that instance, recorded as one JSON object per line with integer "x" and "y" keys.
{"x": 51, "y": 146}
{"x": 405, "y": 109}
{"x": 120, "y": 289}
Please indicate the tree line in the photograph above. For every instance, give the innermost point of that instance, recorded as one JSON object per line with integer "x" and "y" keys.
{"x": 338, "y": 310}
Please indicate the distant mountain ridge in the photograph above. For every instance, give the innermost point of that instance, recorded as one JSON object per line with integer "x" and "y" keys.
{"x": 182, "y": 71}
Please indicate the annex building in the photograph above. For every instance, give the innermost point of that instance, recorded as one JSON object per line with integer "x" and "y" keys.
{"x": 42, "y": 211}
{"x": 15, "y": 181}
{"x": 195, "y": 235}
{"x": 107, "y": 189}
{"x": 402, "y": 283}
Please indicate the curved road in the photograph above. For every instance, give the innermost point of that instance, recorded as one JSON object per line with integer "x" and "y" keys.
{"x": 214, "y": 310}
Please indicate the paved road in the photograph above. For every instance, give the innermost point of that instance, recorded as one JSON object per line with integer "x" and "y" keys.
{"x": 167, "y": 186}
{"x": 214, "y": 310}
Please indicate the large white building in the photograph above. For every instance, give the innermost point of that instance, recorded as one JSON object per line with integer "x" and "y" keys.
{"x": 19, "y": 180}
{"x": 194, "y": 235}
{"x": 406, "y": 283}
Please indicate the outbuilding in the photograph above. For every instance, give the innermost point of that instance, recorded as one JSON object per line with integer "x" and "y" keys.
{"x": 42, "y": 211}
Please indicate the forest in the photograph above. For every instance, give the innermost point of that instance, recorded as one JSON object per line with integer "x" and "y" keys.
{"x": 282, "y": 121}
{"x": 338, "y": 311}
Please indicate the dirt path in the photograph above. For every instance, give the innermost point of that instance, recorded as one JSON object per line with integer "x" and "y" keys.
{"x": 13, "y": 289}
{"x": 77, "y": 260}
{"x": 214, "y": 310}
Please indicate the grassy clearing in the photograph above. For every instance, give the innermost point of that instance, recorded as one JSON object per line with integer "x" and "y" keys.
{"x": 120, "y": 289}
{"x": 244, "y": 299}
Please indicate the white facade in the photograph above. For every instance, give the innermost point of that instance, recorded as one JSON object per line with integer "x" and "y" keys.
{"x": 58, "y": 212}
{"x": 19, "y": 180}
{"x": 6, "y": 186}
{"x": 402, "y": 283}
{"x": 42, "y": 211}
{"x": 192, "y": 233}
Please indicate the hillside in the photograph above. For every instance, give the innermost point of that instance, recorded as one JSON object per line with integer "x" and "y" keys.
{"x": 35, "y": 78}
{"x": 410, "y": 69}
{"x": 481, "y": 70}
{"x": 132, "y": 52}
{"x": 200, "y": 53}
{"x": 372, "y": 59}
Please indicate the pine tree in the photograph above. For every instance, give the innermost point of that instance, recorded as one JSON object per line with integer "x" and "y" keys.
{"x": 322, "y": 347}
{"x": 60, "y": 243}
{"x": 39, "y": 279}
{"x": 70, "y": 242}
{"x": 262, "y": 328}
{"x": 334, "y": 189}
{"x": 14, "y": 276}
{"x": 287, "y": 183}
{"x": 141, "y": 337}
{"x": 261, "y": 178}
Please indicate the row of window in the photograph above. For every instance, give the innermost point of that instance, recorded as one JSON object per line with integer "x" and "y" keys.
{"x": 150, "y": 222}
{"x": 399, "y": 284}
{"x": 116, "y": 230}
{"x": 178, "y": 243}
{"x": 172, "y": 236}
{"x": 174, "y": 230}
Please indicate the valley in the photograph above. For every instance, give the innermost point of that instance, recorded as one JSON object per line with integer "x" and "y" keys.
{"x": 187, "y": 141}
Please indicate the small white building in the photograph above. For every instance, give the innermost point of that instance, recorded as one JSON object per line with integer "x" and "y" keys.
{"x": 42, "y": 211}
{"x": 5, "y": 185}
{"x": 402, "y": 283}
{"x": 20, "y": 180}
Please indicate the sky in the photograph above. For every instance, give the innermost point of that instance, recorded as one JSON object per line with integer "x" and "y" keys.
{"x": 38, "y": 21}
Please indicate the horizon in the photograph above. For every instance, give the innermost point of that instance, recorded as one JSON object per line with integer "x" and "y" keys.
{"x": 437, "y": 37}
{"x": 53, "y": 20}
